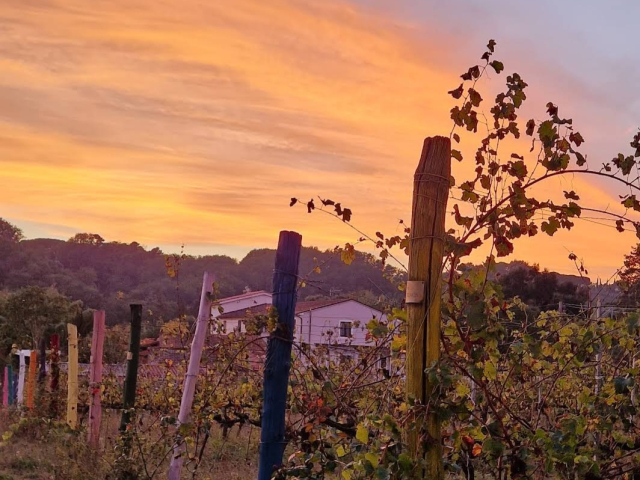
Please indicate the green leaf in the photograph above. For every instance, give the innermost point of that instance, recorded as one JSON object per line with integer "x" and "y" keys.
{"x": 551, "y": 226}
{"x": 490, "y": 371}
{"x": 404, "y": 462}
{"x": 474, "y": 97}
{"x": 497, "y": 66}
{"x": 457, "y": 93}
{"x": 531, "y": 125}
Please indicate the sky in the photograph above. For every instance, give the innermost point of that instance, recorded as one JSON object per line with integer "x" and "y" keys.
{"x": 191, "y": 122}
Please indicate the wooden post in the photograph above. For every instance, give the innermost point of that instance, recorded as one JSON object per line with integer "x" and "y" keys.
{"x": 190, "y": 379}
{"x": 54, "y": 357}
{"x": 10, "y": 392}
{"x": 72, "y": 377}
{"x": 424, "y": 290}
{"x": 278, "y": 359}
{"x": 133, "y": 356}
{"x": 598, "y": 379}
{"x": 22, "y": 371}
{"x": 31, "y": 383}
{"x": 5, "y": 387}
{"x": 95, "y": 379}
{"x": 42, "y": 374}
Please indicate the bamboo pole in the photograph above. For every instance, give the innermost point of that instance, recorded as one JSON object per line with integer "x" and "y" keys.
{"x": 133, "y": 356}
{"x": 424, "y": 290}
{"x": 190, "y": 379}
{"x": 95, "y": 379}
{"x": 278, "y": 359}
{"x": 31, "y": 383}
{"x": 72, "y": 377}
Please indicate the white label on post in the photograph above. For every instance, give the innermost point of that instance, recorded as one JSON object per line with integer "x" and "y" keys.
{"x": 415, "y": 291}
{"x": 129, "y": 355}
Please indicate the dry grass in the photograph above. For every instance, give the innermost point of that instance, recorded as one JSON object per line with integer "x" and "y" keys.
{"x": 42, "y": 450}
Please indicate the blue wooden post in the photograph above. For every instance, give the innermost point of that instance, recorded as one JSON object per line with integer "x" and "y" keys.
{"x": 10, "y": 382}
{"x": 278, "y": 360}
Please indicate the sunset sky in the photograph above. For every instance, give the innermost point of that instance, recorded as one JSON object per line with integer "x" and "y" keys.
{"x": 193, "y": 122}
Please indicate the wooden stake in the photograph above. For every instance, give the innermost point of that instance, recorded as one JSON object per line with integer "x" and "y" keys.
{"x": 54, "y": 357}
{"x": 424, "y": 290}
{"x": 31, "y": 383}
{"x": 22, "y": 371}
{"x": 72, "y": 378}
{"x": 11, "y": 393}
{"x": 95, "y": 379}
{"x": 133, "y": 357}
{"x": 190, "y": 379}
{"x": 42, "y": 374}
{"x": 5, "y": 387}
{"x": 278, "y": 359}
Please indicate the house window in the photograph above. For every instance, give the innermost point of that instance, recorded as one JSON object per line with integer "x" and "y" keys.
{"x": 345, "y": 329}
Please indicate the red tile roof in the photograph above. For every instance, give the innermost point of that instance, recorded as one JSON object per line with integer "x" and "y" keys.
{"x": 242, "y": 295}
{"x": 263, "y": 309}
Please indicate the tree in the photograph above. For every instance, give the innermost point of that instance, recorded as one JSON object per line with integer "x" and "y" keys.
{"x": 87, "y": 239}
{"x": 32, "y": 313}
{"x": 630, "y": 277}
{"x": 9, "y": 232}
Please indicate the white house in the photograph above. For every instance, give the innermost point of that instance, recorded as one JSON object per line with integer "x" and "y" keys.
{"x": 322, "y": 322}
{"x": 239, "y": 303}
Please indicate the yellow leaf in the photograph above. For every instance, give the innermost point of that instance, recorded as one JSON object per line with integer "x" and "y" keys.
{"x": 373, "y": 459}
{"x": 463, "y": 389}
{"x": 490, "y": 371}
{"x": 362, "y": 434}
{"x": 346, "y": 474}
{"x": 340, "y": 451}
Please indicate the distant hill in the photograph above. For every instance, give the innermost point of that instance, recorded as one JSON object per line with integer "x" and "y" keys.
{"x": 110, "y": 275}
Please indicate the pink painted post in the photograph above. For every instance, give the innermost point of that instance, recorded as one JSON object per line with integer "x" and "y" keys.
{"x": 5, "y": 388}
{"x": 95, "y": 379}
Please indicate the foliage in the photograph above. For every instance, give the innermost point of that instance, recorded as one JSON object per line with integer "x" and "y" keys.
{"x": 539, "y": 395}
{"x": 110, "y": 275}
{"x": 31, "y": 313}
{"x": 9, "y": 233}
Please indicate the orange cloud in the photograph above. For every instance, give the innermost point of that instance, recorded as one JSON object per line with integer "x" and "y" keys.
{"x": 170, "y": 122}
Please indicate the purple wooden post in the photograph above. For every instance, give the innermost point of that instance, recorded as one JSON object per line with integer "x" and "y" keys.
{"x": 95, "y": 379}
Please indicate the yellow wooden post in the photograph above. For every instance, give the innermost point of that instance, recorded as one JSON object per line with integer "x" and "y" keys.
{"x": 31, "y": 383}
{"x": 72, "y": 378}
{"x": 424, "y": 289}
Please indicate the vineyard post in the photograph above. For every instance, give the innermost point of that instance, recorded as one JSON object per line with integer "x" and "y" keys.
{"x": 54, "y": 357}
{"x": 10, "y": 384}
{"x": 278, "y": 358}
{"x": 423, "y": 296}
{"x": 133, "y": 356}
{"x": 95, "y": 379}
{"x": 22, "y": 371}
{"x": 5, "y": 387}
{"x": 72, "y": 377}
{"x": 190, "y": 379}
{"x": 598, "y": 378}
{"x": 42, "y": 374}
{"x": 31, "y": 383}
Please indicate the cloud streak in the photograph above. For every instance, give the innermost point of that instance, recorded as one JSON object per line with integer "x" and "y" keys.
{"x": 192, "y": 122}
